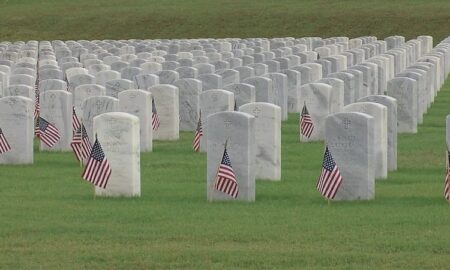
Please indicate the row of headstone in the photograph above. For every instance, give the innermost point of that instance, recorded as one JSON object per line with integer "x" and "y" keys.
{"x": 357, "y": 137}
{"x": 333, "y": 60}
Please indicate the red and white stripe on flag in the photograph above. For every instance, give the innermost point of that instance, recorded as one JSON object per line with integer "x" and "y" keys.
{"x": 4, "y": 145}
{"x": 97, "y": 170}
{"x": 226, "y": 179}
{"x": 330, "y": 178}
{"x": 306, "y": 123}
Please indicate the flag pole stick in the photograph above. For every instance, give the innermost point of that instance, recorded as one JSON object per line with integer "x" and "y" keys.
{"x": 81, "y": 158}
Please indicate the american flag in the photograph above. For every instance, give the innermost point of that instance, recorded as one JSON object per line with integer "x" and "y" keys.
{"x": 226, "y": 179}
{"x": 75, "y": 121}
{"x": 47, "y": 132}
{"x": 4, "y": 145}
{"x": 198, "y": 134}
{"x": 447, "y": 179}
{"x": 306, "y": 123}
{"x": 155, "y": 118}
{"x": 97, "y": 170}
{"x": 81, "y": 145}
{"x": 330, "y": 178}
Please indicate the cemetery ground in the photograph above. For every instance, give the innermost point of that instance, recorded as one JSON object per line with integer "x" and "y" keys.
{"x": 50, "y": 219}
{"x": 121, "y": 19}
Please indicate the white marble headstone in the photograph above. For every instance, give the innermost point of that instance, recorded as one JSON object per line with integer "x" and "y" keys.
{"x": 118, "y": 134}
{"x": 349, "y": 137}
{"x": 238, "y": 129}
{"x": 268, "y": 139}
{"x": 56, "y": 108}
{"x": 17, "y": 124}
{"x": 139, "y": 103}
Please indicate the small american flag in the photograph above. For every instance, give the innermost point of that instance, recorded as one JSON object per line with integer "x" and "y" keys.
{"x": 226, "y": 179}
{"x": 306, "y": 123}
{"x": 447, "y": 179}
{"x": 4, "y": 145}
{"x": 81, "y": 145}
{"x": 47, "y": 132}
{"x": 198, "y": 134}
{"x": 97, "y": 170}
{"x": 75, "y": 121}
{"x": 155, "y": 118}
{"x": 330, "y": 178}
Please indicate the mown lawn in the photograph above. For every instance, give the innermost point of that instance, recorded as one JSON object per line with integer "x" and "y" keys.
{"x": 124, "y": 19}
{"x": 50, "y": 220}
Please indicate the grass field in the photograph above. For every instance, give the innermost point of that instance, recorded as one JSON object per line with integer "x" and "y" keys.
{"x": 50, "y": 220}
{"x": 120, "y": 19}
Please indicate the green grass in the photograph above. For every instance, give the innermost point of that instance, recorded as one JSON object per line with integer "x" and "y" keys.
{"x": 50, "y": 220}
{"x": 120, "y": 19}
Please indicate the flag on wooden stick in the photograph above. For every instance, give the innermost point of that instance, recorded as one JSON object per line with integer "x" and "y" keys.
{"x": 306, "y": 123}
{"x": 198, "y": 134}
{"x": 97, "y": 170}
{"x": 330, "y": 178}
{"x": 226, "y": 179}
{"x": 47, "y": 132}
{"x": 4, "y": 145}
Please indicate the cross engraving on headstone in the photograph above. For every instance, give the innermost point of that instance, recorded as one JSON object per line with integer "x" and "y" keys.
{"x": 256, "y": 111}
{"x": 99, "y": 104}
{"x": 346, "y": 123}
{"x": 227, "y": 123}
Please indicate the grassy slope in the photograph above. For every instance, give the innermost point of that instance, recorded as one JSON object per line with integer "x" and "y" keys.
{"x": 49, "y": 220}
{"x": 120, "y": 19}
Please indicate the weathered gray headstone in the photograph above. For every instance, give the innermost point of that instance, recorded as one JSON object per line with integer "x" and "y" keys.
{"x": 238, "y": 130}
{"x": 263, "y": 88}
{"x": 379, "y": 113}
{"x": 349, "y": 85}
{"x": 317, "y": 97}
{"x": 114, "y": 87}
{"x": 139, "y": 103}
{"x": 189, "y": 102}
{"x": 404, "y": 90}
{"x": 210, "y": 81}
{"x": 94, "y": 106}
{"x": 243, "y": 93}
{"x": 349, "y": 137}
{"x": 391, "y": 105}
{"x": 280, "y": 92}
{"x": 56, "y": 108}
{"x": 168, "y": 76}
{"x": 16, "y": 122}
{"x": 167, "y": 106}
{"x": 213, "y": 101}
{"x": 337, "y": 93}
{"x": 118, "y": 134}
{"x": 267, "y": 137}
{"x": 20, "y": 90}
